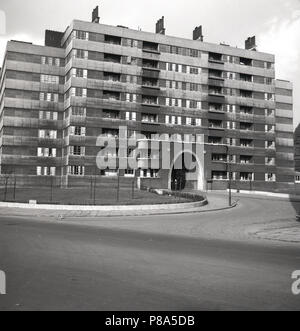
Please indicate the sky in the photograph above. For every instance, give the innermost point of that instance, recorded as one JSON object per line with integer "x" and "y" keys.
{"x": 276, "y": 24}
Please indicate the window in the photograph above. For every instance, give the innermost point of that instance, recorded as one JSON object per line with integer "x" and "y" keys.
{"x": 130, "y": 116}
{"x": 269, "y": 97}
{"x": 46, "y": 152}
{"x": 194, "y": 71}
{"x": 45, "y": 171}
{"x": 215, "y": 140}
{"x": 246, "y": 143}
{"x": 151, "y": 100}
{"x": 77, "y": 131}
{"x": 269, "y": 112}
{"x": 76, "y": 170}
{"x": 48, "y": 134}
{"x": 246, "y": 126}
{"x": 149, "y": 173}
{"x": 270, "y": 144}
{"x": 269, "y": 128}
{"x": 270, "y": 177}
{"x": 49, "y": 79}
{"x": 129, "y": 173}
{"x": 246, "y": 176}
{"x": 270, "y": 161}
{"x": 188, "y": 121}
{"x": 246, "y": 94}
{"x": 78, "y": 111}
{"x": 246, "y": 159}
{"x": 219, "y": 157}
{"x": 78, "y": 92}
{"x": 219, "y": 175}
{"x": 77, "y": 150}
{"x": 81, "y": 54}
{"x": 48, "y": 115}
{"x": 80, "y": 73}
{"x": 149, "y": 118}
{"x": 130, "y": 97}
{"x": 82, "y": 35}
{"x": 47, "y": 60}
{"x": 50, "y": 97}
{"x": 245, "y": 61}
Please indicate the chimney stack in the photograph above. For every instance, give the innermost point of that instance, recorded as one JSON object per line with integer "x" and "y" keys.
{"x": 95, "y": 15}
{"x": 250, "y": 44}
{"x": 160, "y": 26}
{"x": 197, "y": 33}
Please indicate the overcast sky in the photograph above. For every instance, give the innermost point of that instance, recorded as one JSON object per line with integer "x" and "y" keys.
{"x": 276, "y": 23}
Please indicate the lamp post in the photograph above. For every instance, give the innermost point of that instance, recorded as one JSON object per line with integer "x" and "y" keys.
{"x": 229, "y": 172}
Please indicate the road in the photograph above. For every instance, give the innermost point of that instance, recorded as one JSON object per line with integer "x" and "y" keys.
{"x": 68, "y": 266}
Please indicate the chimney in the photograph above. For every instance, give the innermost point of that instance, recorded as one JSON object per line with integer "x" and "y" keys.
{"x": 160, "y": 26}
{"x": 197, "y": 33}
{"x": 95, "y": 15}
{"x": 250, "y": 44}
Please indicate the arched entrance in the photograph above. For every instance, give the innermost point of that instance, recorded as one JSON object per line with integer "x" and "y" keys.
{"x": 181, "y": 176}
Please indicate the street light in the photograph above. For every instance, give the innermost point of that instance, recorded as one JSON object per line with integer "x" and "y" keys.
{"x": 229, "y": 172}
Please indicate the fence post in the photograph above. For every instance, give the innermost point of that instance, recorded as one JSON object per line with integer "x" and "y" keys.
{"x": 133, "y": 182}
{"x": 5, "y": 189}
{"x": 91, "y": 188}
{"x": 118, "y": 187}
{"x": 95, "y": 186}
{"x": 51, "y": 190}
{"x": 15, "y": 187}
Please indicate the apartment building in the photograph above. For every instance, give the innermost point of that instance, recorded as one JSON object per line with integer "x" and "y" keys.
{"x": 92, "y": 79}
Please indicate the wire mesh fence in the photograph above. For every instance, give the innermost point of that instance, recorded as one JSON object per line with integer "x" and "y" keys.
{"x": 96, "y": 191}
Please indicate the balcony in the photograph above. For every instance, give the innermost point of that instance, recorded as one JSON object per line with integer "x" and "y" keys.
{"x": 246, "y": 160}
{"x": 246, "y": 78}
{"x": 214, "y": 91}
{"x": 150, "y": 101}
{"x": 112, "y": 96}
{"x": 150, "y": 73}
{"x": 216, "y": 74}
{"x": 215, "y": 141}
{"x": 150, "y": 84}
{"x": 149, "y": 119}
{"x": 216, "y": 108}
{"x": 215, "y": 124}
{"x": 246, "y": 94}
{"x": 150, "y": 47}
{"x": 112, "y": 58}
{"x": 112, "y": 77}
{"x": 246, "y": 143}
{"x": 112, "y": 40}
{"x": 215, "y": 58}
{"x": 245, "y": 61}
{"x": 246, "y": 127}
{"x": 110, "y": 114}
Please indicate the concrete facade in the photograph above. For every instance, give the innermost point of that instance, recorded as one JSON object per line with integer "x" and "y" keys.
{"x": 56, "y": 101}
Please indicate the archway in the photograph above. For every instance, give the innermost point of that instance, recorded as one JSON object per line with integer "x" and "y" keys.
{"x": 183, "y": 178}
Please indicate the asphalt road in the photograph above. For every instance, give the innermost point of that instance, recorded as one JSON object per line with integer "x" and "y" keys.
{"x": 52, "y": 266}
